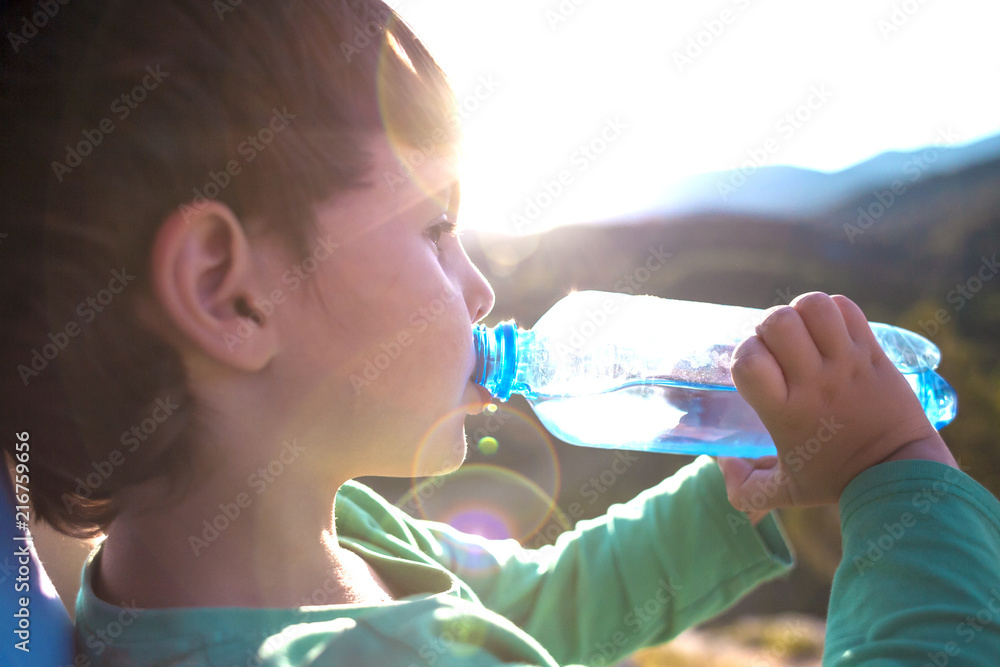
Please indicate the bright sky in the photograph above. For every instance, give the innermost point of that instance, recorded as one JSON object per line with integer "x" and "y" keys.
{"x": 660, "y": 90}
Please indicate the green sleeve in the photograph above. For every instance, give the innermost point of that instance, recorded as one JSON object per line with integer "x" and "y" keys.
{"x": 672, "y": 557}
{"x": 919, "y": 583}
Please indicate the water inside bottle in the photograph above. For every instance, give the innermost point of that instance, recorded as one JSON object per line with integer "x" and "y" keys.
{"x": 662, "y": 415}
{"x": 659, "y": 415}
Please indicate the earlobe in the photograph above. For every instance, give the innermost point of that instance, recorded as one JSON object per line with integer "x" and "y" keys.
{"x": 204, "y": 279}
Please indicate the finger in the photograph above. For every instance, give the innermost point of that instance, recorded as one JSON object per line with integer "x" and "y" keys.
{"x": 756, "y": 484}
{"x": 739, "y": 468}
{"x": 787, "y": 338}
{"x": 757, "y": 375}
{"x": 854, "y": 319}
{"x": 825, "y": 323}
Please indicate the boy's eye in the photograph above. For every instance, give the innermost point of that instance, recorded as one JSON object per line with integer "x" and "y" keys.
{"x": 440, "y": 226}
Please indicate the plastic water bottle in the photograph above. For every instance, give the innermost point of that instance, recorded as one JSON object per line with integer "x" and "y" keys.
{"x": 641, "y": 372}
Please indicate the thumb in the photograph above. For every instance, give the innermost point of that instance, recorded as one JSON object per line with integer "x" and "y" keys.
{"x": 753, "y": 485}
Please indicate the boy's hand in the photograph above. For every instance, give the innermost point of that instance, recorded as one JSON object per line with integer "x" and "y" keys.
{"x": 832, "y": 401}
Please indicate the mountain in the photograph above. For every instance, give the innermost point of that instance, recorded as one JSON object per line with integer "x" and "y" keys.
{"x": 790, "y": 192}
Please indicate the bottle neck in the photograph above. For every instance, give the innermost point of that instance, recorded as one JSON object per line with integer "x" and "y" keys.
{"x": 496, "y": 358}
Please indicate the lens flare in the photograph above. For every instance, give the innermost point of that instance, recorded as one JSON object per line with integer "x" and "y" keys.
{"x": 442, "y": 449}
{"x": 492, "y": 499}
{"x": 527, "y": 446}
{"x": 488, "y": 445}
{"x": 416, "y": 137}
{"x": 483, "y": 499}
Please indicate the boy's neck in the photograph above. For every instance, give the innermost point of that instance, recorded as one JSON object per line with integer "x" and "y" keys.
{"x": 203, "y": 554}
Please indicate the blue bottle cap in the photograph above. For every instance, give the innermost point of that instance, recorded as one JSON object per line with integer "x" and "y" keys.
{"x": 496, "y": 358}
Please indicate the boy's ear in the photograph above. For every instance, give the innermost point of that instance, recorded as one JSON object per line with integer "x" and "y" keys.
{"x": 204, "y": 281}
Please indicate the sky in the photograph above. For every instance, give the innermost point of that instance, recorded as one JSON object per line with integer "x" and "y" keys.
{"x": 585, "y": 110}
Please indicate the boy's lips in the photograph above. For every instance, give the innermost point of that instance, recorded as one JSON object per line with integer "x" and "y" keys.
{"x": 484, "y": 398}
{"x": 484, "y": 394}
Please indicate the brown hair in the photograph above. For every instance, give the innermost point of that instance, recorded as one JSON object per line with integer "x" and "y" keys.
{"x": 114, "y": 114}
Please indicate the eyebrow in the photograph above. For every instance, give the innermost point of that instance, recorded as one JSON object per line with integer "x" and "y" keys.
{"x": 450, "y": 197}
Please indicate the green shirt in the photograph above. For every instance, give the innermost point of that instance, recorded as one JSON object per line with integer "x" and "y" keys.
{"x": 672, "y": 557}
{"x": 919, "y": 584}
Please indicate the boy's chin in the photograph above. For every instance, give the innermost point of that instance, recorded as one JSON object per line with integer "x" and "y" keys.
{"x": 440, "y": 458}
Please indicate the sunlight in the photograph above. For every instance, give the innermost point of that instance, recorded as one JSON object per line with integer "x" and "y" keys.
{"x": 585, "y": 110}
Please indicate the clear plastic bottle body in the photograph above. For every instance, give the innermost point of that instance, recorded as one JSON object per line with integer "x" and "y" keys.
{"x": 641, "y": 372}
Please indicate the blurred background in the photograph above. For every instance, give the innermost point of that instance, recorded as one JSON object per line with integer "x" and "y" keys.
{"x": 766, "y": 149}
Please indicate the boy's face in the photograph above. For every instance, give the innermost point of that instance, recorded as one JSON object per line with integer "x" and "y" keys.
{"x": 377, "y": 349}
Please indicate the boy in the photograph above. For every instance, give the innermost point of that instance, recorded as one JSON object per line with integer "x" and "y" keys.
{"x": 240, "y": 205}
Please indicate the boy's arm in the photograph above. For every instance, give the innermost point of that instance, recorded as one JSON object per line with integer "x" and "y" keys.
{"x": 919, "y": 583}
{"x": 670, "y": 558}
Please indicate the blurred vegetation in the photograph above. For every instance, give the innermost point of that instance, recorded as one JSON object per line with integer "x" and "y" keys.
{"x": 905, "y": 268}
{"x": 784, "y": 640}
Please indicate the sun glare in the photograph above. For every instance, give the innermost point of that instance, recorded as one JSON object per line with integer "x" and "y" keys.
{"x": 587, "y": 110}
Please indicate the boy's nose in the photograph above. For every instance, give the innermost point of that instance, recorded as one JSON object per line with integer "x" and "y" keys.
{"x": 479, "y": 296}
